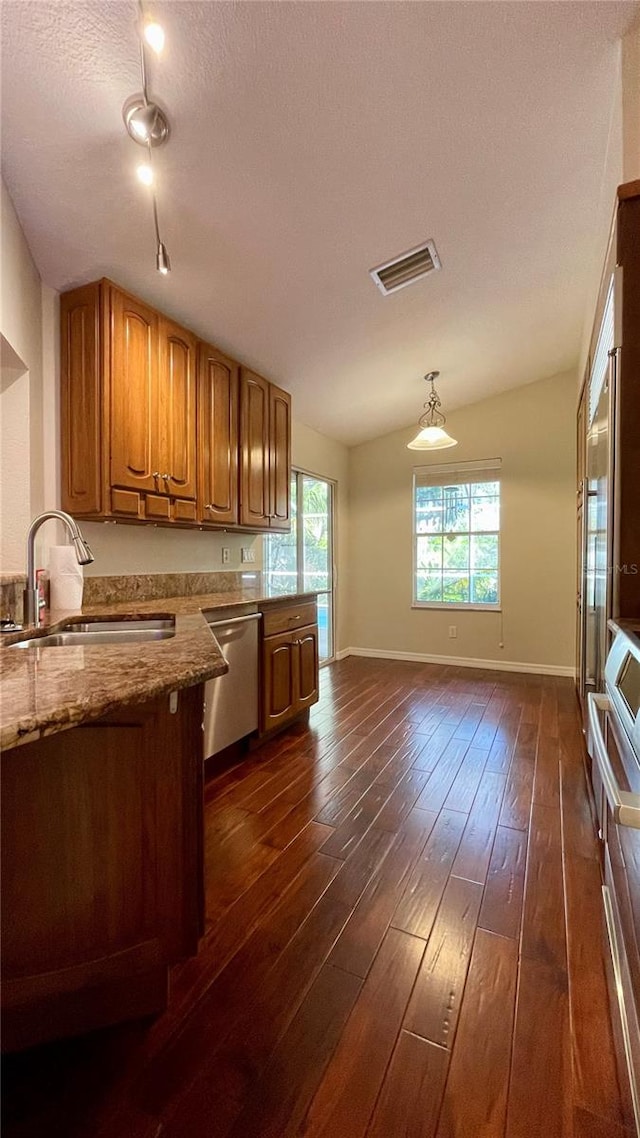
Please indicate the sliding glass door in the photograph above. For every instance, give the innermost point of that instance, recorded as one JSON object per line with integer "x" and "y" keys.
{"x": 302, "y": 561}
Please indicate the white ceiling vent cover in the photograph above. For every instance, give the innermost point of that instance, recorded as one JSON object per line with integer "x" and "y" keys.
{"x": 406, "y": 269}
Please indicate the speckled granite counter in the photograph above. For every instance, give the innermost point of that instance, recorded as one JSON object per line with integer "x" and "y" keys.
{"x": 44, "y": 690}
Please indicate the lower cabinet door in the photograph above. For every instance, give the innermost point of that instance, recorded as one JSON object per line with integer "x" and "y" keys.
{"x": 278, "y": 680}
{"x": 307, "y": 646}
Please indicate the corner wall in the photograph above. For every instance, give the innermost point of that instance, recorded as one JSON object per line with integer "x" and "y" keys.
{"x": 532, "y": 429}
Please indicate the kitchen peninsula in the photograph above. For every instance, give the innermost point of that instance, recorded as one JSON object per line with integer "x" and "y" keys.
{"x": 102, "y": 828}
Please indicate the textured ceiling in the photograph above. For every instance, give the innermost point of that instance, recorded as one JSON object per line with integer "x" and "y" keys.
{"x": 310, "y": 142}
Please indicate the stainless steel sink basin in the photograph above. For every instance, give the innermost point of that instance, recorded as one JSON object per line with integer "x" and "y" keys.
{"x": 103, "y": 632}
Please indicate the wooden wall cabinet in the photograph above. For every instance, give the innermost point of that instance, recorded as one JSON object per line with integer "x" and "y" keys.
{"x": 159, "y": 427}
{"x": 218, "y": 393}
{"x": 102, "y": 869}
{"x": 289, "y": 662}
{"x": 265, "y": 453}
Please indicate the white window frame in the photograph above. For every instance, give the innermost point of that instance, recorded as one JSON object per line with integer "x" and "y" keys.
{"x": 450, "y": 474}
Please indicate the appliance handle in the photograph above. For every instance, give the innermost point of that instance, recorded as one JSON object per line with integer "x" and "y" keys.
{"x": 234, "y": 620}
{"x": 624, "y": 805}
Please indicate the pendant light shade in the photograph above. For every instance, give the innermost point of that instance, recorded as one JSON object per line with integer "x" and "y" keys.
{"x": 432, "y": 435}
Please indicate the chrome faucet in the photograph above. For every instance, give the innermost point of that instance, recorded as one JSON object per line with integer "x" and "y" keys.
{"x": 83, "y": 553}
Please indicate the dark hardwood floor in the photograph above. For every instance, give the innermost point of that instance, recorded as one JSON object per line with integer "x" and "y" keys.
{"x": 403, "y": 936}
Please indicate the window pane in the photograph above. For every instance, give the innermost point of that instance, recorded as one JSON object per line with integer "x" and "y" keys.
{"x": 429, "y": 587}
{"x": 429, "y": 553}
{"x": 484, "y": 588}
{"x": 484, "y": 551}
{"x": 324, "y": 626}
{"x": 455, "y": 587}
{"x": 428, "y": 509}
{"x": 455, "y": 514}
{"x": 457, "y": 543}
{"x": 280, "y": 555}
{"x": 485, "y": 513}
{"x": 485, "y": 489}
{"x": 456, "y": 552}
{"x": 315, "y": 534}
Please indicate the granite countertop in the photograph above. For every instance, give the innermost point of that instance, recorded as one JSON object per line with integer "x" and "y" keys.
{"x": 45, "y": 690}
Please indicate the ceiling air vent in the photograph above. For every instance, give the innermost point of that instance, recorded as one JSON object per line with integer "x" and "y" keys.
{"x": 406, "y": 269}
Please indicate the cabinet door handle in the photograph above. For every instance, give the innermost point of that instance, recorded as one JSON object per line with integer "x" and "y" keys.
{"x": 166, "y": 477}
{"x": 209, "y": 506}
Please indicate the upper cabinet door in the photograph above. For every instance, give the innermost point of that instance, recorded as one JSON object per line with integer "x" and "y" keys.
{"x": 279, "y": 456}
{"x": 254, "y": 450}
{"x": 217, "y": 437}
{"x": 177, "y": 406}
{"x": 80, "y": 401}
{"x": 135, "y": 453}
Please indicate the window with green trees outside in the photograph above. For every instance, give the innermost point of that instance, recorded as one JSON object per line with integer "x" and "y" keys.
{"x": 457, "y": 544}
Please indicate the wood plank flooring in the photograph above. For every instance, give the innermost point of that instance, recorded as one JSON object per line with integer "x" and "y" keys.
{"x": 402, "y": 937}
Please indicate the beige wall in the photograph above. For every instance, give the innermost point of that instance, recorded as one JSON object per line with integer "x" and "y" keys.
{"x": 532, "y": 429}
{"x": 320, "y": 455}
{"x": 622, "y": 164}
{"x": 21, "y": 469}
{"x": 631, "y": 103}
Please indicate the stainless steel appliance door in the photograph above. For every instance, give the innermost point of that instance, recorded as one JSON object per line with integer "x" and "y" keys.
{"x": 598, "y": 543}
{"x": 616, "y": 784}
{"x": 231, "y": 701}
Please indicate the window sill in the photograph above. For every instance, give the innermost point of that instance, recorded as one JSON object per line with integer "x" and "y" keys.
{"x": 457, "y": 608}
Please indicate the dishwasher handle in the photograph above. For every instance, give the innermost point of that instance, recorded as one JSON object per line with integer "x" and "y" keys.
{"x": 234, "y": 620}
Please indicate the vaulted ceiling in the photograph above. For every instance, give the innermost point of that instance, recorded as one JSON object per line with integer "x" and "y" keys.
{"x": 310, "y": 142}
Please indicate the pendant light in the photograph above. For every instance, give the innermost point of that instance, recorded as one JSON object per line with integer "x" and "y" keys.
{"x": 432, "y": 435}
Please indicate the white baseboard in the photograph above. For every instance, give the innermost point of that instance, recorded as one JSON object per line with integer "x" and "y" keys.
{"x": 462, "y": 662}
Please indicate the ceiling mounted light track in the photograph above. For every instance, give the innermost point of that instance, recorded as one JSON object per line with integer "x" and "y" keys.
{"x": 146, "y": 122}
{"x": 432, "y": 435}
{"x": 148, "y": 125}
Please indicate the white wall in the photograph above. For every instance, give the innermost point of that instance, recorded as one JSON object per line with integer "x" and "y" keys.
{"x": 317, "y": 454}
{"x": 532, "y": 429}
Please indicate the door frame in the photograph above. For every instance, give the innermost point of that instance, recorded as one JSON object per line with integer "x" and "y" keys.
{"x": 298, "y": 472}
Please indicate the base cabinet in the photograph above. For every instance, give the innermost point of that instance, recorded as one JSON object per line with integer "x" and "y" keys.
{"x": 102, "y": 869}
{"x": 289, "y": 659}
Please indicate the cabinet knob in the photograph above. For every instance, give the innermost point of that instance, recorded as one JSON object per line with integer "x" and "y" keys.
{"x": 156, "y": 474}
{"x": 166, "y": 477}
{"x": 209, "y": 506}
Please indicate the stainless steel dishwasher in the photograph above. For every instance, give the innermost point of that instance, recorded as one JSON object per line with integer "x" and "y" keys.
{"x": 231, "y": 701}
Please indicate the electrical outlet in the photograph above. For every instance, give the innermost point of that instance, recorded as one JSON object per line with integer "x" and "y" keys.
{"x": 453, "y": 631}
{"x": 226, "y": 554}
{"x": 248, "y": 555}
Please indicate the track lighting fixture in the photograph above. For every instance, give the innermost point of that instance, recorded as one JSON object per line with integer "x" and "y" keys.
{"x": 154, "y": 35}
{"x": 148, "y": 125}
{"x": 145, "y": 174}
{"x": 163, "y": 264}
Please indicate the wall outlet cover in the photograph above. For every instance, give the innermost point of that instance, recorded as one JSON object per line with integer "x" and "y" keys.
{"x": 248, "y": 555}
{"x": 226, "y": 554}
{"x": 453, "y": 631}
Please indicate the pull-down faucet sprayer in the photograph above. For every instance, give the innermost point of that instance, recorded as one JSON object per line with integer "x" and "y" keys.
{"x": 83, "y": 554}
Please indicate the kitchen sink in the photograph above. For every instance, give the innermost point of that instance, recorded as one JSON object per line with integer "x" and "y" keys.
{"x": 103, "y": 632}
